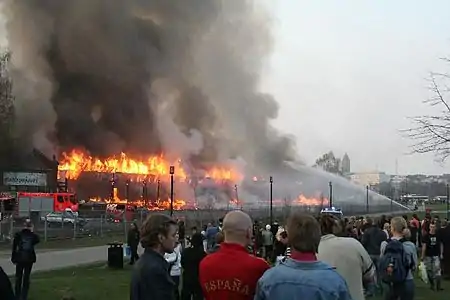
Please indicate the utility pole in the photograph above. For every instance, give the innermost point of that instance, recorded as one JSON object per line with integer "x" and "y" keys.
{"x": 271, "y": 200}
{"x": 448, "y": 201}
{"x": 367, "y": 199}
{"x": 331, "y": 194}
{"x": 172, "y": 171}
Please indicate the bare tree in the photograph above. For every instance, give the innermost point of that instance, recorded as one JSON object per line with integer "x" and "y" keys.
{"x": 431, "y": 133}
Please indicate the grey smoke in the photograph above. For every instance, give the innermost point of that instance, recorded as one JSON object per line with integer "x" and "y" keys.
{"x": 107, "y": 75}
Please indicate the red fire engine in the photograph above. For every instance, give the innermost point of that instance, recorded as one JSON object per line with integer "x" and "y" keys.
{"x": 45, "y": 202}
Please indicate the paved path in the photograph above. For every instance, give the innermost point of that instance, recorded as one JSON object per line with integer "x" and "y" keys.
{"x": 61, "y": 259}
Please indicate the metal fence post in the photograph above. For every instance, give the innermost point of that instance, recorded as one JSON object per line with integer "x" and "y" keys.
{"x": 101, "y": 225}
{"x": 45, "y": 228}
{"x": 125, "y": 224}
{"x": 75, "y": 227}
{"x": 11, "y": 229}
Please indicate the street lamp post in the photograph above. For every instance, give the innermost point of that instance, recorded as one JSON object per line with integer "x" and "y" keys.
{"x": 144, "y": 192}
{"x": 158, "y": 190}
{"x": 448, "y": 201}
{"x": 113, "y": 185}
{"x": 271, "y": 200}
{"x": 237, "y": 195}
{"x": 127, "y": 189}
{"x": 172, "y": 171}
{"x": 331, "y": 194}
{"x": 367, "y": 199}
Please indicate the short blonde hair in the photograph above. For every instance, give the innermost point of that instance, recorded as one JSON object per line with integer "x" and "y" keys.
{"x": 398, "y": 224}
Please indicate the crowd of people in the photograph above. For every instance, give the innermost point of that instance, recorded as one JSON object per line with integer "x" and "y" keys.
{"x": 314, "y": 258}
{"x": 307, "y": 258}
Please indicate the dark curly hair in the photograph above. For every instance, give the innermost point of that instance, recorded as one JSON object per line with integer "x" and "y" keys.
{"x": 329, "y": 224}
{"x": 152, "y": 227}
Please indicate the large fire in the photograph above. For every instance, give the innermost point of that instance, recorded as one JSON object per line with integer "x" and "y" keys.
{"x": 74, "y": 163}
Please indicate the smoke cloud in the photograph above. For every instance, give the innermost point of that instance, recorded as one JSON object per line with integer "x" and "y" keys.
{"x": 143, "y": 77}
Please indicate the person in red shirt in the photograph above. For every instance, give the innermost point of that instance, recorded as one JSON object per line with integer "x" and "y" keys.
{"x": 231, "y": 272}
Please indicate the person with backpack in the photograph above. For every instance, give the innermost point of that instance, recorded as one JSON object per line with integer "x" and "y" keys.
{"x": 24, "y": 256}
{"x": 398, "y": 260}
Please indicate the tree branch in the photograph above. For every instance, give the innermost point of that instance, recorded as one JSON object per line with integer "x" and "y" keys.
{"x": 431, "y": 133}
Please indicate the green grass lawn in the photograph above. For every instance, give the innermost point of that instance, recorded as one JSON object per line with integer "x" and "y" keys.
{"x": 97, "y": 282}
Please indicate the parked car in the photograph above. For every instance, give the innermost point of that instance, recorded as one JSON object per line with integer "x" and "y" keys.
{"x": 66, "y": 217}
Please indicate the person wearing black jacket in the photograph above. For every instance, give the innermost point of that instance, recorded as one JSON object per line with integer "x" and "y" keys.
{"x": 6, "y": 290}
{"x": 150, "y": 278}
{"x": 371, "y": 239}
{"x": 133, "y": 242}
{"x": 24, "y": 256}
{"x": 190, "y": 262}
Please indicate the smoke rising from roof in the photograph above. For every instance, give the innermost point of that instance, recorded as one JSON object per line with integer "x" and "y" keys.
{"x": 134, "y": 75}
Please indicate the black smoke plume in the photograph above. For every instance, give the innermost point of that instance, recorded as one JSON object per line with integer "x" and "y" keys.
{"x": 135, "y": 76}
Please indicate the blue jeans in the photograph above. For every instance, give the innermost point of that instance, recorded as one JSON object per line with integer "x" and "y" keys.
{"x": 404, "y": 291}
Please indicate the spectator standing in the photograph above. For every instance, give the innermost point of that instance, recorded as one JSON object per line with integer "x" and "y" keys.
{"x": 302, "y": 276}
{"x": 205, "y": 242}
{"x": 150, "y": 279}
{"x": 231, "y": 272}
{"x": 174, "y": 260}
{"x": 211, "y": 232}
{"x": 267, "y": 239}
{"x": 398, "y": 259}
{"x": 432, "y": 253}
{"x": 413, "y": 227}
{"x": 24, "y": 256}
{"x": 445, "y": 238}
{"x": 387, "y": 230}
{"x": 347, "y": 255}
{"x": 190, "y": 262}
{"x": 133, "y": 238}
{"x": 219, "y": 240}
{"x": 182, "y": 233}
{"x": 280, "y": 245}
{"x": 371, "y": 239}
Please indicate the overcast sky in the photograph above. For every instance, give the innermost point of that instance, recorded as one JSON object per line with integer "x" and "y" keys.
{"x": 347, "y": 74}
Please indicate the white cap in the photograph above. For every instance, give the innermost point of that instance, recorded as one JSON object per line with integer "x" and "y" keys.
{"x": 268, "y": 227}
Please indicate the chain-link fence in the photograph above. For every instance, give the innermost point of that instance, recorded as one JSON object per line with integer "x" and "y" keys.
{"x": 99, "y": 223}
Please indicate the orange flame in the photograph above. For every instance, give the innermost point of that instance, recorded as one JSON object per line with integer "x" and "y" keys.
{"x": 75, "y": 162}
{"x": 310, "y": 201}
{"x": 178, "y": 204}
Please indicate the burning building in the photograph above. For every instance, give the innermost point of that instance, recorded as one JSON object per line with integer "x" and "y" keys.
{"x": 146, "y": 181}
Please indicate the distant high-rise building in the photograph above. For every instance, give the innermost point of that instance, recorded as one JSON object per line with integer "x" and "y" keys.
{"x": 346, "y": 164}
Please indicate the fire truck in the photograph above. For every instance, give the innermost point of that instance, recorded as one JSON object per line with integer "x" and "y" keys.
{"x": 42, "y": 203}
